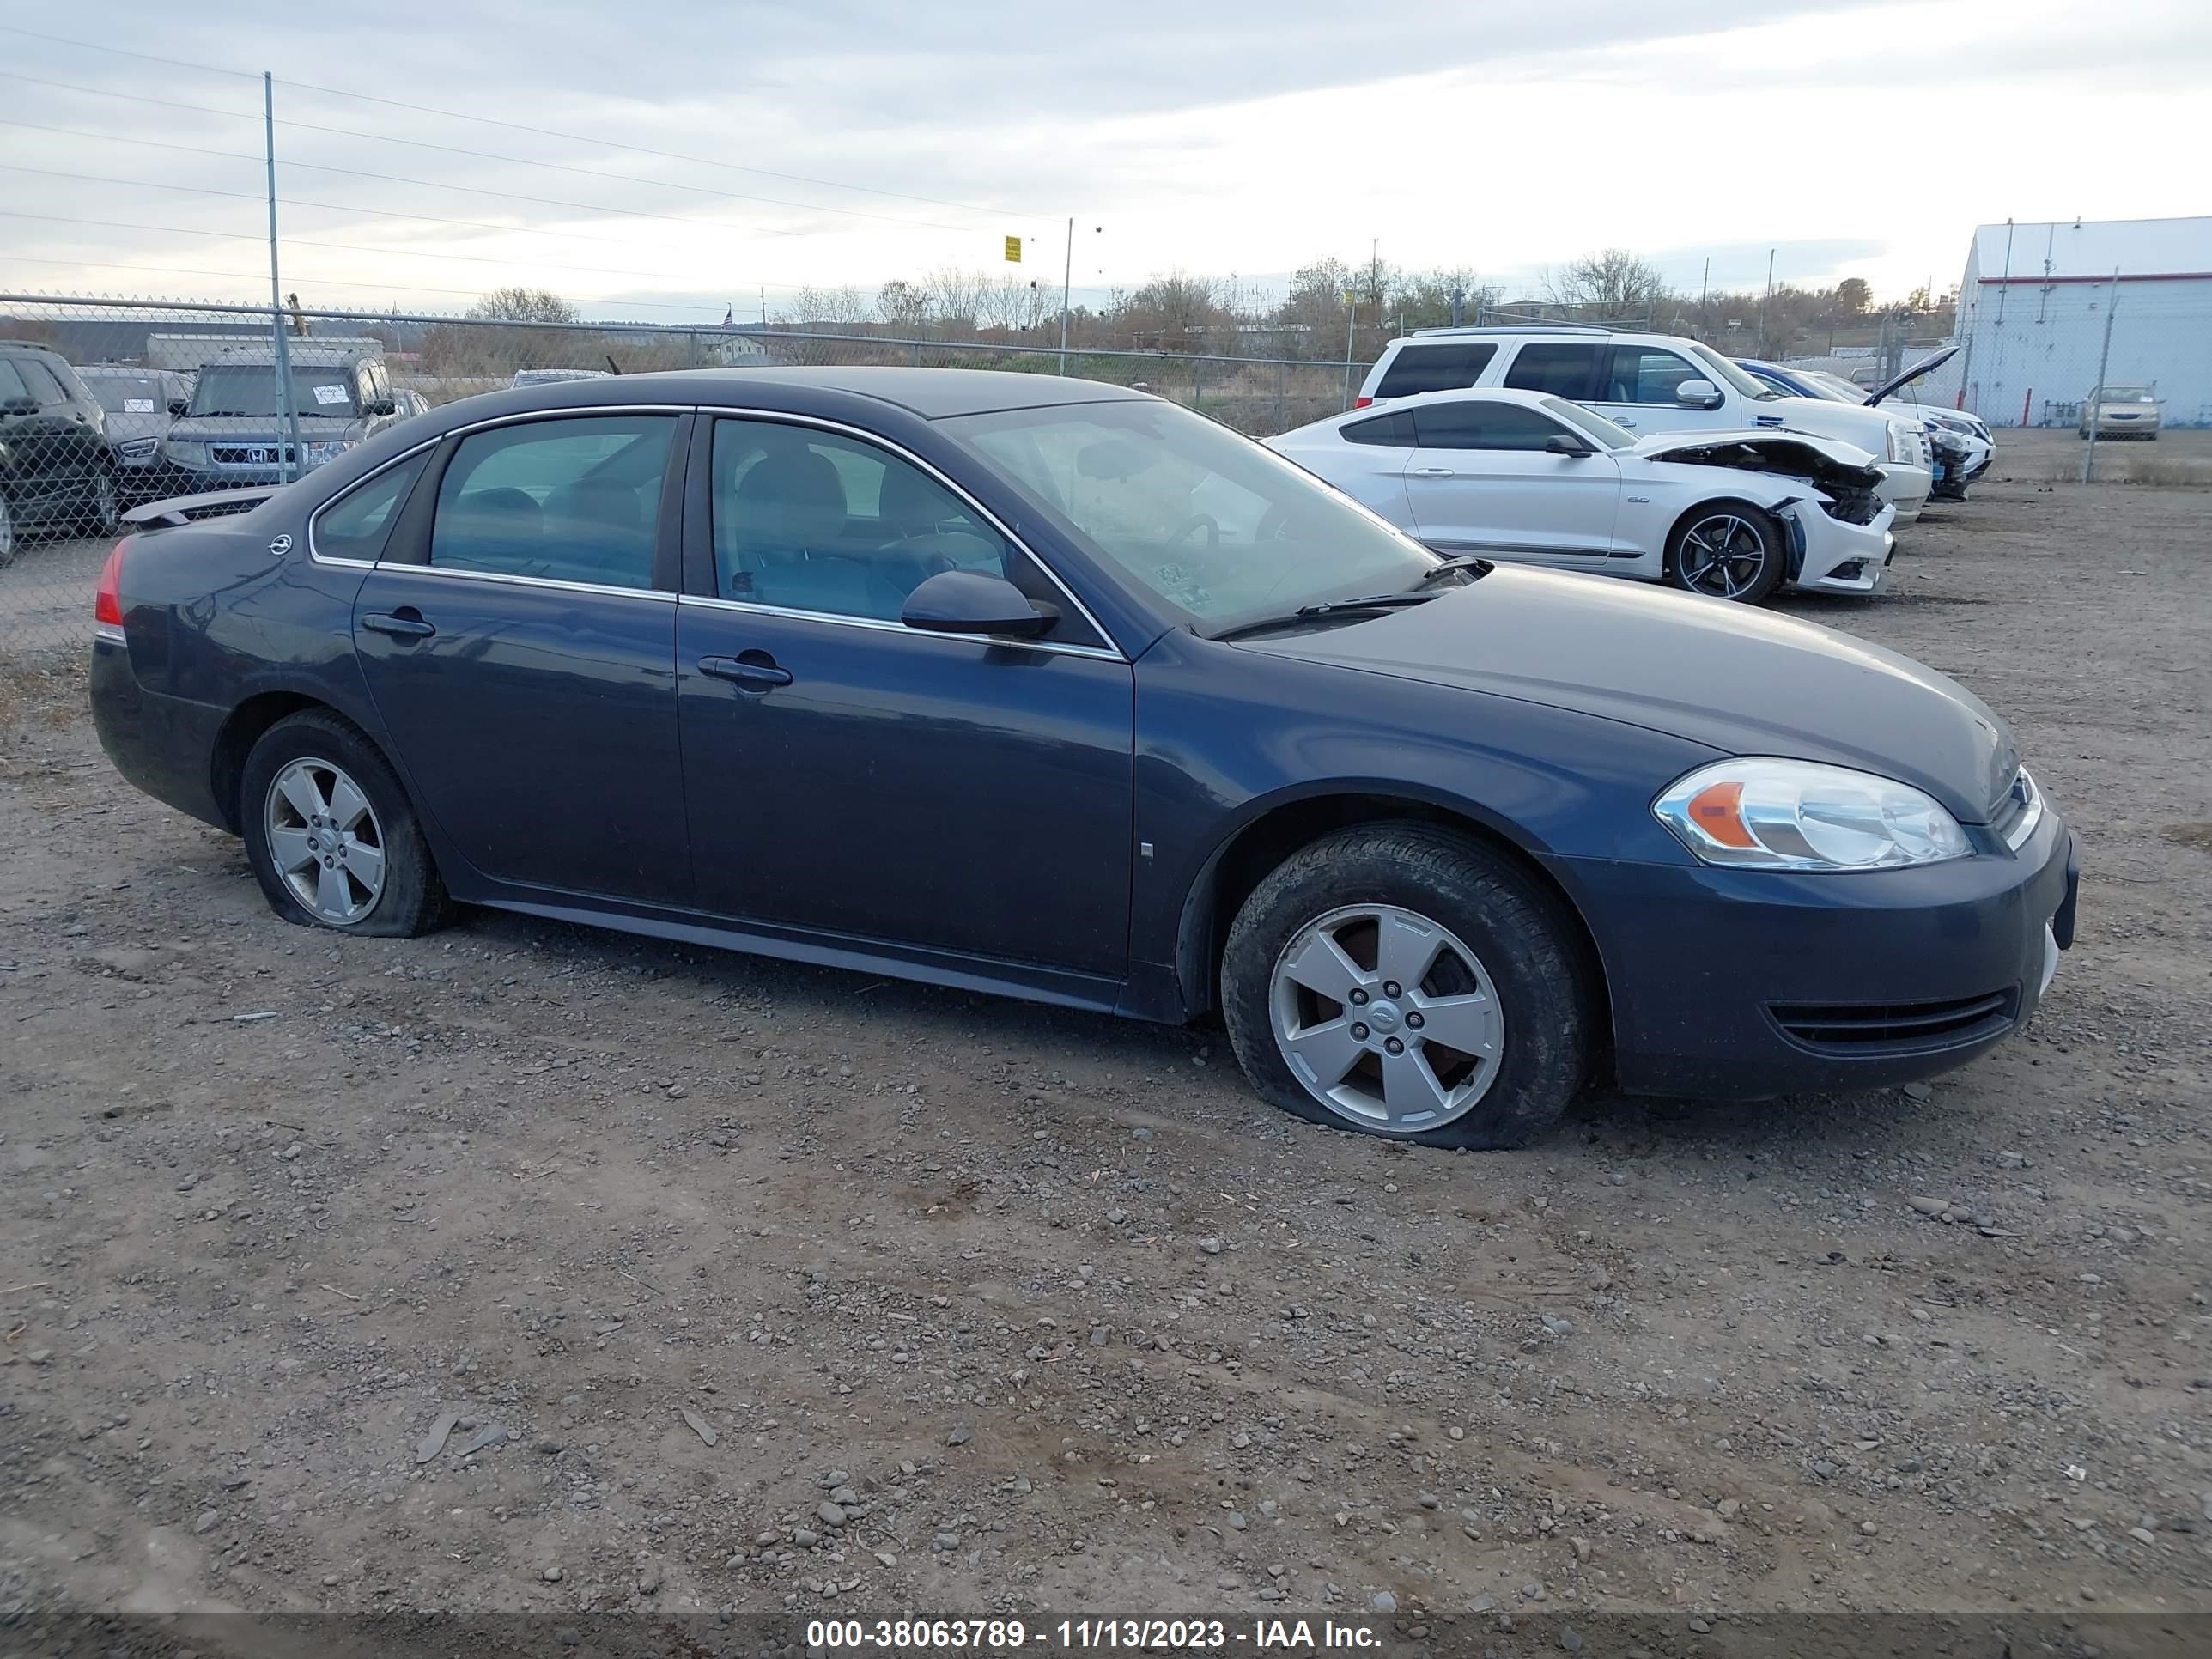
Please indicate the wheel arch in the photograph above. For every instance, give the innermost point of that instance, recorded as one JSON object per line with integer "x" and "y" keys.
{"x": 244, "y": 727}
{"x": 1284, "y": 825}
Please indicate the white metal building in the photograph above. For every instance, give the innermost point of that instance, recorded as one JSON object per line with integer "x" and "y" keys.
{"x": 2033, "y": 313}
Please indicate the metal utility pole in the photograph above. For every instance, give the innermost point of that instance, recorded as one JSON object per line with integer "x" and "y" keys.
{"x": 1066, "y": 291}
{"x": 1765, "y": 300}
{"x": 1459, "y": 306}
{"x": 1351, "y": 315}
{"x": 2096, "y": 391}
{"x": 287, "y": 414}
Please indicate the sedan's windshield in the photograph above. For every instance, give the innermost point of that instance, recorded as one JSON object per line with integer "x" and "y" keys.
{"x": 1834, "y": 386}
{"x": 1727, "y": 374}
{"x": 2125, "y": 394}
{"x": 251, "y": 389}
{"x": 127, "y": 394}
{"x": 1223, "y": 530}
{"x": 1594, "y": 427}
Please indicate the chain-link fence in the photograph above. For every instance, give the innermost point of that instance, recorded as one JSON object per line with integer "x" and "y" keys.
{"x": 109, "y": 404}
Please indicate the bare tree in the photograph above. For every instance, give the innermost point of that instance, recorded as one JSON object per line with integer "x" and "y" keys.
{"x": 524, "y": 305}
{"x": 1609, "y": 285}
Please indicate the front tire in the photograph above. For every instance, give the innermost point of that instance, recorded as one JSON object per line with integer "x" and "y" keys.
{"x": 104, "y": 513}
{"x": 330, "y": 834}
{"x": 7, "y": 534}
{"x": 1399, "y": 980}
{"x": 1728, "y": 550}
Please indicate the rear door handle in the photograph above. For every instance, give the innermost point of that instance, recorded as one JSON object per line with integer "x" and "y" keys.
{"x": 742, "y": 672}
{"x": 405, "y": 628}
{"x": 1434, "y": 472}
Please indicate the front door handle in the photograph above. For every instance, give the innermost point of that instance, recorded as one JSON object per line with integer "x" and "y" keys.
{"x": 1434, "y": 472}
{"x": 745, "y": 673}
{"x": 400, "y": 627}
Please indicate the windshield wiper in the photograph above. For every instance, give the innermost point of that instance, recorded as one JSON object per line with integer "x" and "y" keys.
{"x": 1372, "y": 602}
{"x": 1474, "y": 566}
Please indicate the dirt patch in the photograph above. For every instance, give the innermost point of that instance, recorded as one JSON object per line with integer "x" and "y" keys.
{"x": 992, "y": 1306}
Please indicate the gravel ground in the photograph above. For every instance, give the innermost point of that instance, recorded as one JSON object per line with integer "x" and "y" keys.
{"x": 527, "y": 1268}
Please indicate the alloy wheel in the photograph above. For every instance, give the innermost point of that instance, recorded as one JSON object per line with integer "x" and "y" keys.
{"x": 325, "y": 841}
{"x": 104, "y": 503}
{"x": 1386, "y": 1019}
{"x": 7, "y": 533}
{"x": 1722, "y": 555}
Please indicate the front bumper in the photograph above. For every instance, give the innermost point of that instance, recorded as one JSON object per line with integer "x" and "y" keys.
{"x": 1736, "y": 984}
{"x": 1840, "y": 558}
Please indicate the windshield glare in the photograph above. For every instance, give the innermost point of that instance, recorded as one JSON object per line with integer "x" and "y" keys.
{"x": 1835, "y": 387}
{"x": 2125, "y": 394}
{"x": 1223, "y": 530}
{"x": 251, "y": 389}
{"x": 1602, "y": 432}
{"x": 1725, "y": 372}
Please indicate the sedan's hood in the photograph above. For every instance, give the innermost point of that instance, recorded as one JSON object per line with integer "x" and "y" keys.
{"x": 1738, "y": 680}
{"x": 1926, "y": 365}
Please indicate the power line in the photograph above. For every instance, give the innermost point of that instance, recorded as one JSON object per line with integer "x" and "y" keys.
{"x": 517, "y": 126}
{"x": 335, "y": 282}
{"x": 471, "y": 190}
{"x": 356, "y": 247}
{"x": 487, "y": 155}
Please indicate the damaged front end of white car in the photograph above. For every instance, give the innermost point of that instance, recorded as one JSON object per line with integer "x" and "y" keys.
{"x": 1839, "y": 532}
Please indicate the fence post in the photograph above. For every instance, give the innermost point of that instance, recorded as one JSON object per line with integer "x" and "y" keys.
{"x": 1282, "y": 396}
{"x": 286, "y": 415}
{"x": 1197, "y": 381}
{"x": 2097, "y": 392}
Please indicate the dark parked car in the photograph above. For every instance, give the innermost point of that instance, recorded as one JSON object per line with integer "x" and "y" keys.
{"x": 141, "y": 405}
{"x": 1035, "y": 686}
{"x": 54, "y": 468}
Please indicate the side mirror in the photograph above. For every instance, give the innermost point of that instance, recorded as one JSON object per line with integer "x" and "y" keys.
{"x": 969, "y": 602}
{"x": 1698, "y": 394}
{"x": 178, "y": 405}
{"x": 1560, "y": 443}
{"x": 384, "y": 406}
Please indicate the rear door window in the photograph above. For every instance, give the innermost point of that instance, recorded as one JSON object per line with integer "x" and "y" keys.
{"x": 575, "y": 499}
{"x": 1564, "y": 370}
{"x": 1419, "y": 368}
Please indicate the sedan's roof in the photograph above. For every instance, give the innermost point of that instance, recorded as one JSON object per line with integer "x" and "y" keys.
{"x": 931, "y": 393}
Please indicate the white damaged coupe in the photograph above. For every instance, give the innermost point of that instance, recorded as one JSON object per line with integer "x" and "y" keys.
{"x": 1527, "y": 476}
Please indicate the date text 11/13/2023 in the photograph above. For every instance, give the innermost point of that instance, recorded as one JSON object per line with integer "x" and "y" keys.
{"x": 1141, "y": 1635}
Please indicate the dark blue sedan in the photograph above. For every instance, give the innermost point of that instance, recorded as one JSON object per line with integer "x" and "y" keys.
{"x": 1040, "y": 687}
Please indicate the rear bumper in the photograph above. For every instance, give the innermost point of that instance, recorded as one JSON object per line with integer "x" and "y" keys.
{"x": 163, "y": 745}
{"x": 1743, "y": 985}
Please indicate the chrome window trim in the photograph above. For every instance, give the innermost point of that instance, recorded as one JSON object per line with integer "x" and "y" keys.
{"x": 1002, "y": 642}
{"x": 2031, "y": 815}
{"x": 890, "y": 446}
{"x": 509, "y": 579}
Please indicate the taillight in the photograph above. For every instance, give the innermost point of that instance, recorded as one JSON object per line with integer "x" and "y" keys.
{"x": 1362, "y": 402}
{"x": 108, "y": 601}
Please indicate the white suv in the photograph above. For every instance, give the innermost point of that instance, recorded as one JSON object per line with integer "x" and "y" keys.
{"x": 1647, "y": 383}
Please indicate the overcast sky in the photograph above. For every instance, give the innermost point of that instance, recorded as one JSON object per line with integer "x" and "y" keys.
{"x": 1213, "y": 136}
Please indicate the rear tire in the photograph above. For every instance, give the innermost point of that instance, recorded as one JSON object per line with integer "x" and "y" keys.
{"x": 331, "y": 836}
{"x": 1501, "y": 971}
{"x": 1729, "y": 550}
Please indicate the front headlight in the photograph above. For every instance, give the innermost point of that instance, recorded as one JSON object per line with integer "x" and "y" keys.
{"x": 1801, "y": 815}
{"x": 1904, "y": 444}
{"x": 327, "y": 449}
{"x": 184, "y": 455}
{"x": 138, "y": 449}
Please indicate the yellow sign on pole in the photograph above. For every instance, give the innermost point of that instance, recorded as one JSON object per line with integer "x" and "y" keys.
{"x": 1014, "y": 250}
